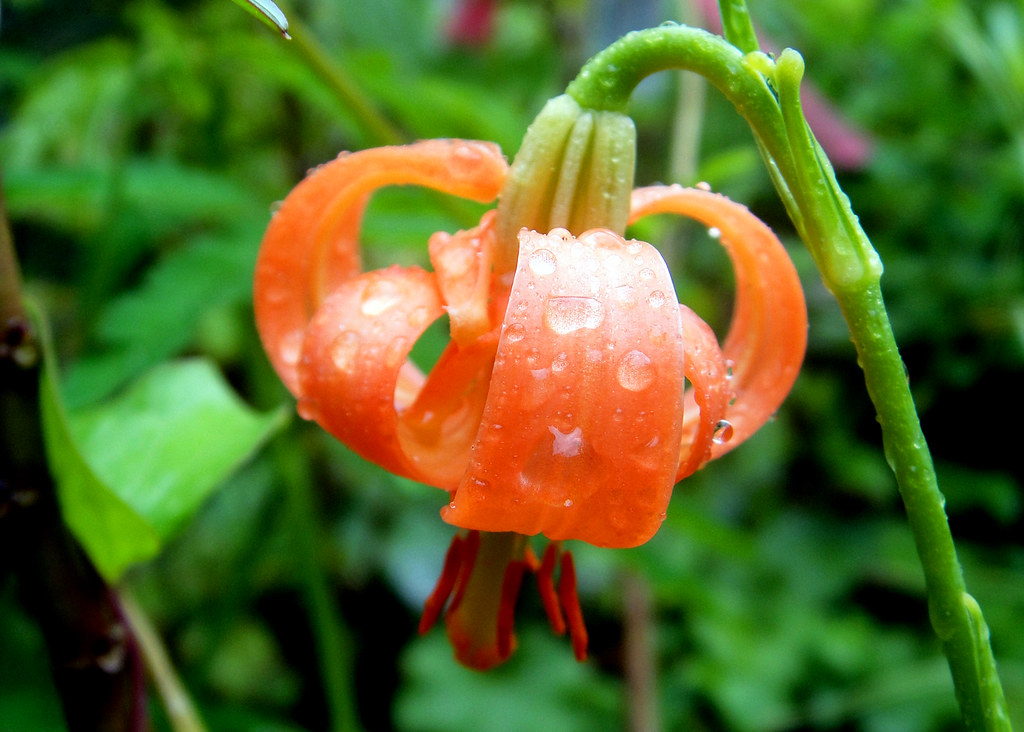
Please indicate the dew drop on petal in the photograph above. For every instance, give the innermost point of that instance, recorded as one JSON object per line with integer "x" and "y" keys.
{"x": 646, "y": 273}
{"x": 723, "y": 432}
{"x": 344, "y": 349}
{"x": 571, "y": 313}
{"x": 624, "y": 295}
{"x": 559, "y": 363}
{"x": 418, "y": 317}
{"x": 714, "y": 232}
{"x": 395, "y": 353}
{"x": 515, "y": 333}
{"x": 542, "y": 262}
{"x": 656, "y": 299}
{"x": 635, "y": 372}
{"x": 291, "y": 347}
{"x": 379, "y": 297}
{"x": 307, "y": 408}
{"x": 704, "y": 186}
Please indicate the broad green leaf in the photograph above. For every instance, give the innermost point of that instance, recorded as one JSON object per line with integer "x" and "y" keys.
{"x": 112, "y": 533}
{"x": 170, "y": 439}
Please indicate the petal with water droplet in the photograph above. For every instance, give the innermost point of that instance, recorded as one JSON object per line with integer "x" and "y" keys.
{"x": 590, "y": 450}
{"x": 312, "y": 243}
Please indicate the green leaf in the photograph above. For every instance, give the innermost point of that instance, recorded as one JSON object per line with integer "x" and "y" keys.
{"x": 170, "y": 439}
{"x": 267, "y": 12}
{"x": 112, "y": 533}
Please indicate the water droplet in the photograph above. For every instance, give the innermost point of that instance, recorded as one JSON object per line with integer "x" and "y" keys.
{"x": 646, "y": 274}
{"x": 566, "y": 444}
{"x": 515, "y": 332}
{"x": 395, "y": 354}
{"x": 540, "y": 374}
{"x": 624, "y": 295}
{"x": 344, "y": 349}
{"x": 467, "y": 154}
{"x": 570, "y": 313}
{"x": 634, "y": 247}
{"x": 568, "y": 503}
{"x": 418, "y": 317}
{"x": 307, "y": 408}
{"x": 714, "y": 232}
{"x": 291, "y": 347}
{"x": 542, "y": 262}
{"x": 379, "y": 297}
{"x": 635, "y": 372}
{"x": 704, "y": 186}
{"x": 559, "y": 363}
{"x": 723, "y": 432}
{"x": 656, "y": 299}
{"x": 730, "y": 367}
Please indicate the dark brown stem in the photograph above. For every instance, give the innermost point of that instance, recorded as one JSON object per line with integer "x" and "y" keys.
{"x": 95, "y": 663}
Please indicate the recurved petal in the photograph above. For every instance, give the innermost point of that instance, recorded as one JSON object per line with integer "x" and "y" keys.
{"x": 768, "y": 334}
{"x": 581, "y": 430}
{"x": 312, "y": 244}
{"x": 354, "y": 357}
{"x": 706, "y": 403}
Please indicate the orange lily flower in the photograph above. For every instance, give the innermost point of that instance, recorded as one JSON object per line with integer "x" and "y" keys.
{"x": 561, "y": 405}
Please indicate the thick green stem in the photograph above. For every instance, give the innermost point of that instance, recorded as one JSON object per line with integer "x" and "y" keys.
{"x": 955, "y": 615}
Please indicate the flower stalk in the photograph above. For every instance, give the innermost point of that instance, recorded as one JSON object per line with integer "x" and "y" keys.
{"x": 766, "y": 93}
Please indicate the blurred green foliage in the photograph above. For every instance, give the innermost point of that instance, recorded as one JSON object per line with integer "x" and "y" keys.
{"x": 143, "y": 143}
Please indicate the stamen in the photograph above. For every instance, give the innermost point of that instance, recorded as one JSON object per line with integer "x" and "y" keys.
{"x": 507, "y": 609}
{"x": 571, "y": 605}
{"x": 546, "y": 588}
{"x": 453, "y": 562}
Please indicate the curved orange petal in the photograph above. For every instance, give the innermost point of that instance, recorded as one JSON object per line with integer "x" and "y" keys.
{"x": 707, "y": 372}
{"x": 768, "y": 334}
{"x": 352, "y": 357}
{"x": 580, "y": 434}
{"x": 311, "y": 244}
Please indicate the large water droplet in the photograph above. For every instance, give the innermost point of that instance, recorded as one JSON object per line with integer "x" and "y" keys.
{"x": 542, "y": 262}
{"x": 559, "y": 363}
{"x": 379, "y": 297}
{"x": 570, "y": 313}
{"x": 723, "y": 432}
{"x": 635, "y": 372}
{"x": 344, "y": 349}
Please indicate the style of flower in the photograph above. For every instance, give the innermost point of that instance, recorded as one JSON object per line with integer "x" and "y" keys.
{"x": 560, "y": 406}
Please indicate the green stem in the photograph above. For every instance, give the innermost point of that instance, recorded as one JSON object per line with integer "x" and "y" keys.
{"x": 766, "y": 94}
{"x": 181, "y": 712}
{"x": 333, "y": 645}
{"x": 737, "y": 27}
{"x": 376, "y": 126}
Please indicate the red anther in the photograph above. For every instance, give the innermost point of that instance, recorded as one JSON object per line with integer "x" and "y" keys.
{"x": 571, "y": 605}
{"x": 546, "y": 588}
